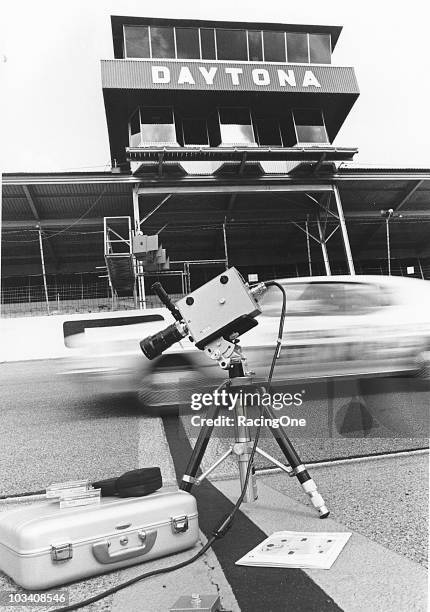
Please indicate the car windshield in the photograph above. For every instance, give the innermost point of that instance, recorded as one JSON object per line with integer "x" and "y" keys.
{"x": 324, "y": 299}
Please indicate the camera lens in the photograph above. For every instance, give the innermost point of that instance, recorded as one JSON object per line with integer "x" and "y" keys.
{"x": 153, "y": 346}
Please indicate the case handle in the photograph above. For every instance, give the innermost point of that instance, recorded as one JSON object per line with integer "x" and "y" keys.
{"x": 103, "y": 555}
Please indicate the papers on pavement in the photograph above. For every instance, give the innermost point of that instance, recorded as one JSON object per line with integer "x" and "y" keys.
{"x": 312, "y": 550}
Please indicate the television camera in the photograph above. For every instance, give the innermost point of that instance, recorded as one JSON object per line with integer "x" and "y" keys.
{"x": 214, "y": 317}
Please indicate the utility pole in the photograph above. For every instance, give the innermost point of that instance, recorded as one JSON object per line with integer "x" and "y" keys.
{"x": 387, "y": 214}
{"x": 42, "y": 259}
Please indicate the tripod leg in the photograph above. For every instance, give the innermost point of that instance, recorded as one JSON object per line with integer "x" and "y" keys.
{"x": 299, "y": 470}
{"x": 199, "y": 450}
{"x": 243, "y": 439}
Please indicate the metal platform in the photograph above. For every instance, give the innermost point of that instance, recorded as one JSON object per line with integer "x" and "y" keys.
{"x": 298, "y": 153}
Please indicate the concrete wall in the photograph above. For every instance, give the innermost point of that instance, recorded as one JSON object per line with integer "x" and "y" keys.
{"x": 32, "y": 338}
{"x": 43, "y": 338}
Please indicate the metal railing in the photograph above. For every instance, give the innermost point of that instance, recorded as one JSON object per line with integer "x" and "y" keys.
{"x": 95, "y": 295}
{"x": 67, "y": 298}
{"x": 30, "y": 299}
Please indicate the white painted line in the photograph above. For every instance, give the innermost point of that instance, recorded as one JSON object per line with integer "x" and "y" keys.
{"x": 153, "y": 448}
{"x": 86, "y": 371}
{"x": 366, "y": 576}
{"x": 168, "y": 471}
{"x": 204, "y": 576}
{"x": 349, "y": 460}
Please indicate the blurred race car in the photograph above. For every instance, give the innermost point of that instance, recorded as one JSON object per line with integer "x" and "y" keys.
{"x": 336, "y": 327}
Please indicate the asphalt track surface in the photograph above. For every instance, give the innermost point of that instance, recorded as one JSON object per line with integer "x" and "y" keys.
{"x": 55, "y": 428}
{"x": 52, "y": 429}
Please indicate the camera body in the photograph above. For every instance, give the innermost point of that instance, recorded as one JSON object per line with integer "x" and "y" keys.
{"x": 221, "y": 307}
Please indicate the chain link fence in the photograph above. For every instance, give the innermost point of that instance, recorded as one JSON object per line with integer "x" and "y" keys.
{"x": 30, "y": 300}
{"x": 61, "y": 298}
{"x": 88, "y": 293}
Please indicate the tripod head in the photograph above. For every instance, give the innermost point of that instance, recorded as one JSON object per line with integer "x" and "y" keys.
{"x": 214, "y": 317}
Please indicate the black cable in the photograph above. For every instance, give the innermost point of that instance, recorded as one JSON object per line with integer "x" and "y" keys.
{"x": 123, "y": 585}
{"x": 26, "y": 494}
{"x": 280, "y": 329}
{"x": 218, "y": 533}
{"x": 226, "y": 521}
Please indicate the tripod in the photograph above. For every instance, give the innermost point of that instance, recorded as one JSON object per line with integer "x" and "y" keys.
{"x": 242, "y": 447}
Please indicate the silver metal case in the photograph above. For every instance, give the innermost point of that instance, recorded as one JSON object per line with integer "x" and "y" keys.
{"x": 212, "y": 310}
{"x": 42, "y": 546}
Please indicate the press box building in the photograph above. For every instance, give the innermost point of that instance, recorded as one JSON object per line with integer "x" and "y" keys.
{"x": 213, "y": 116}
{"x": 221, "y": 139}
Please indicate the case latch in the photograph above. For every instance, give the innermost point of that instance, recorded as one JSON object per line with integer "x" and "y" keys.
{"x": 179, "y": 524}
{"x": 61, "y": 552}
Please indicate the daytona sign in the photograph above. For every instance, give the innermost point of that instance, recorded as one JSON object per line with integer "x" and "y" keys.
{"x": 260, "y": 76}
{"x": 227, "y": 76}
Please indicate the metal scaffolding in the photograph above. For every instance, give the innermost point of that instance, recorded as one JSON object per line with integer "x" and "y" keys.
{"x": 323, "y": 205}
{"x": 120, "y": 263}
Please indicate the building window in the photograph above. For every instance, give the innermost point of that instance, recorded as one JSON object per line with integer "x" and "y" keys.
{"x": 162, "y": 42}
{"x": 231, "y": 45}
{"x": 134, "y": 129}
{"x": 226, "y": 44}
{"x": 255, "y": 46}
{"x": 157, "y": 126}
{"x": 319, "y": 48}
{"x": 187, "y": 43}
{"x": 195, "y": 132}
{"x": 269, "y": 133}
{"x": 136, "y": 41}
{"x": 297, "y": 47}
{"x": 310, "y": 127}
{"x": 207, "y": 38}
{"x": 274, "y": 46}
{"x": 236, "y": 127}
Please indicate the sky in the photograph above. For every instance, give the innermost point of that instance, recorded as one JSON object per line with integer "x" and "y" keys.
{"x": 52, "y": 113}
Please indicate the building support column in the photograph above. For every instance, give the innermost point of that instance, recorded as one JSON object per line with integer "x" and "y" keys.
{"x": 140, "y": 278}
{"x": 323, "y": 248}
{"x": 42, "y": 259}
{"x": 308, "y": 246}
{"x": 224, "y": 233}
{"x": 345, "y": 236}
{"x": 387, "y": 230}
